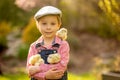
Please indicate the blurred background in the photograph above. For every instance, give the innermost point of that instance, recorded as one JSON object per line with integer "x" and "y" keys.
{"x": 93, "y": 34}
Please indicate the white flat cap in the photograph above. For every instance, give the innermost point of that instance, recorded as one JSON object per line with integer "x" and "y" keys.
{"x": 46, "y": 11}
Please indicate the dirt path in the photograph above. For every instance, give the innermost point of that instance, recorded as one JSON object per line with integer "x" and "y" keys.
{"x": 92, "y": 46}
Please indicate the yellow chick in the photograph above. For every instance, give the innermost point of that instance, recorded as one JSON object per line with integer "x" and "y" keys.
{"x": 36, "y": 60}
{"x": 54, "y": 58}
{"x": 62, "y": 33}
{"x": 40, "y": 61}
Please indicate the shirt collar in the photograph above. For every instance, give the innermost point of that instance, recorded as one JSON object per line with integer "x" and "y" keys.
{"x": 57, "y": 40}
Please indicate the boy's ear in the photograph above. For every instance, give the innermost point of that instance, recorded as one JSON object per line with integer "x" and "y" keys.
{"x": 60, "y": 25}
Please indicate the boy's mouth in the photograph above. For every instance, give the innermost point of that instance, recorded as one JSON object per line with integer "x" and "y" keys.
{"x": 48, "y": 32}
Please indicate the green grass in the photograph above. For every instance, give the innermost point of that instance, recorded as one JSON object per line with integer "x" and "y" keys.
{"x": 23, "y": 76}
{"x": 81, "y": 77}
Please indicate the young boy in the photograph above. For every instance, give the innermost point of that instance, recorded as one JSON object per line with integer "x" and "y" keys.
{"x": 48, "y": 20}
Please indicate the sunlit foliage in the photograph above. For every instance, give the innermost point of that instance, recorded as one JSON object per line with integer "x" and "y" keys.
{"x": 30, "y": 33}
{"x": 112, "y": 10}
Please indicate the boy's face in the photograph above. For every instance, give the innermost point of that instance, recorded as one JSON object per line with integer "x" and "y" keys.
{"x": 48, "y": 25}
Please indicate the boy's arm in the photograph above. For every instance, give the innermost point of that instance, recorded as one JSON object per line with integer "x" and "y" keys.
{"x": 39, "y": 76}
{"x": 50, "y": 74}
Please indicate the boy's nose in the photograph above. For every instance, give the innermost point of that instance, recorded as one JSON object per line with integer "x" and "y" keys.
{"x": 48, "y": 26}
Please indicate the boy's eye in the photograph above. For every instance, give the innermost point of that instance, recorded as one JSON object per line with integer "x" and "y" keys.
{"x": 44, "y": 23}
{"x": 53, "y": 23}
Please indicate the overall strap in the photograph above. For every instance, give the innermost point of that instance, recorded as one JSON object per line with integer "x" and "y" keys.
{"x": 55, "y": 46}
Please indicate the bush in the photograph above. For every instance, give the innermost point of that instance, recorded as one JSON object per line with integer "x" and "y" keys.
{"x": 23, "y": 52}
{"x": 104, "y": 30}
{"x": 3, "y": 43}
{"x": 73, "y": 41}
{"x": 30, "y": 33}
{"x": 4, "y": 28}
{"x": 4, "y": 31}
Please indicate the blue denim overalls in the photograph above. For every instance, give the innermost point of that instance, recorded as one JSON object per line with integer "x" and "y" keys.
{"x": 46, "y": 52}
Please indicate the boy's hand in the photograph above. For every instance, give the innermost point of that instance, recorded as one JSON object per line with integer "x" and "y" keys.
{"x": 33, "y": 69}
{"x": 54, "y": 74}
